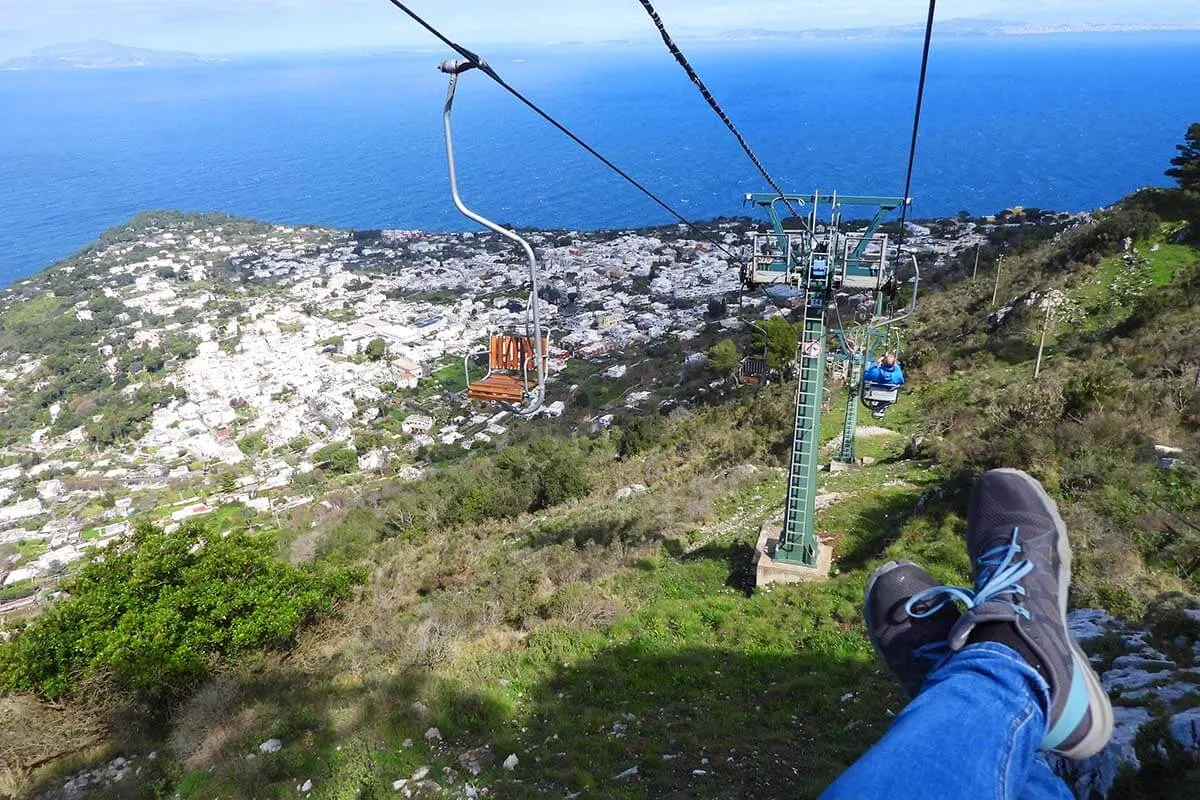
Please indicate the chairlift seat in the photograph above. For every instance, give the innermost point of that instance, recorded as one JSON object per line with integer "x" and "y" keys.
{"x": 752, "y": 371}
{"x": 499, "y": 387}
{"x": 512, "y": 370}
{"x": 881, "y": 393}
{"x": 860, "y": 281}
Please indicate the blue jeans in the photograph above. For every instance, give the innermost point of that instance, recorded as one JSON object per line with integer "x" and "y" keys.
{"x": 972, "y": 733}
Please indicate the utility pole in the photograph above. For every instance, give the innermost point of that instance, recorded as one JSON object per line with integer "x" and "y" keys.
{"x": 1037, "y": 370}
{"x": 996, "y": 286}
{"x": 975, "y": 270}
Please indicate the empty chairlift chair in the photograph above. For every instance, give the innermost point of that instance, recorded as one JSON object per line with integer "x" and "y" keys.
{"x": 753, "y": 371}
{"x": 512, "y": 370}
{"x": 516, "y": 376}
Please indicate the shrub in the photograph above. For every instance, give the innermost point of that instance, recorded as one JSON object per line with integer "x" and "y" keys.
{"x": 637, "y": 436}
{"x": 157, "y": 612}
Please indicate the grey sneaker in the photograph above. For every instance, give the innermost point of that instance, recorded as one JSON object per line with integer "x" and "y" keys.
{"x": 910, "y": 640}
{"x": 1018, "y": 544}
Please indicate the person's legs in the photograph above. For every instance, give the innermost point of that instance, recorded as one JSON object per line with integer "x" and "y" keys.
{"x": 1014, "y": 683}
{"x": 972, "y": 732}
{"x": 1043, "y": 784}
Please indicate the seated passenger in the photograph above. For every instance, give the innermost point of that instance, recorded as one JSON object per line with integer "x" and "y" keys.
{"x": 886, "y": 373}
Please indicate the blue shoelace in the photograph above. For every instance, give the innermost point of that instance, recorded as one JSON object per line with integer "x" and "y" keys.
{"x": 999, "y": 576}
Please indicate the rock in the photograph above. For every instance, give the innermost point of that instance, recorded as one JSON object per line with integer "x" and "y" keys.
{"x": 407, "y": 743}
{"x": 433, "y": 735}
{"x": 473, "y": 761}
{"x": 1166, "y": 450}
{"x": 1148, "y": 659}
{"x": 511, "y": 762}
{"x": 399, "y": 784}
{"x": 420, "y": 773}
{"x": 698, "y": 773}
{"x": 306, "y": 787}
{"x": 270, "y": 746}
{"x": 420, "y": 709}
{"x": 1089, "y": 623}
{"x": 629, "y": 773}
{"x": 1184, "y": 728}
{"x": 1168, "y": 694}
{"x": 627, "y": 492}
{"x": 1095, "y": 776}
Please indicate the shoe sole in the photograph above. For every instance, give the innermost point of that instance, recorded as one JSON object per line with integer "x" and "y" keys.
{"x": 880, "y": 571}
{"x": 1098, "y": 702}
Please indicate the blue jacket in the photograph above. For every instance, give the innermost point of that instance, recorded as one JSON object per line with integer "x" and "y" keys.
{"x": 885, "y": 375}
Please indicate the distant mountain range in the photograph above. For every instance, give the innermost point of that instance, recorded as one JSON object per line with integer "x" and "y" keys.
{"x": 97, "y": 54}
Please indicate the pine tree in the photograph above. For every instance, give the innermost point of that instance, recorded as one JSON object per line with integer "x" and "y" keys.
{"x": 1185, "y": 167}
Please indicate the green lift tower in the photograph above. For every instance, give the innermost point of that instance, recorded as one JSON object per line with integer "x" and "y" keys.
{"x": 814, "y": 256}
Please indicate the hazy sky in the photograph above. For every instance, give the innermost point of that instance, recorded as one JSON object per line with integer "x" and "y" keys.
{"x": 232, "y": 26}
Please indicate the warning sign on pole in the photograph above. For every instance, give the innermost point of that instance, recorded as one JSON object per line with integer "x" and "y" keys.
{"x": 812, "y": 349}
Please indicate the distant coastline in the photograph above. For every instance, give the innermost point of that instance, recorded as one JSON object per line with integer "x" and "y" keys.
{"x": 98, "y": 54}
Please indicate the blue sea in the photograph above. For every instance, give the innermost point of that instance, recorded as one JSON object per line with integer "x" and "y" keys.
{"x": 1064, "y": 122}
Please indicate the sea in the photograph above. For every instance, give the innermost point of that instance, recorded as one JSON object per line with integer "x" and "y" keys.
{"x": 1068, "y": 122}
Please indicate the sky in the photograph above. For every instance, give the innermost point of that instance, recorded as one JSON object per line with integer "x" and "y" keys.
{"x": 254, "y": 26}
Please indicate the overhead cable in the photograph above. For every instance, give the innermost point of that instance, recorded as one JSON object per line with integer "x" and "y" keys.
{"x": 487, "y": 69}
{"x": 912, "y": 147}
{"x": 712, "y": 102}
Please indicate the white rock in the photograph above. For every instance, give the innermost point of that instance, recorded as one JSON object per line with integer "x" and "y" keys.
{"x": 511, "y": 762}
{"x": 306, "y": 786}
{"x": 270, "y": 746}
{"x": 629, "y": 773}
{"x": 433, "y": 735}
{"x": 698, "y": 773}
{"x": 397, "y": 785}
{"x": 627, "y": 492}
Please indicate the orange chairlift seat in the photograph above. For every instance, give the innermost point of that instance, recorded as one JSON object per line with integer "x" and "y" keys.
{"x": 512, "y": 370}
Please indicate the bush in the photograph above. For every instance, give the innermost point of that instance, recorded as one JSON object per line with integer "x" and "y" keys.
{"x": 157, "y": 612}
{"x": 637, "y": 436}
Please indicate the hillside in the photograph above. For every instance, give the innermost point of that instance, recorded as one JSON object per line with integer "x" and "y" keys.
{"x": 570, "y": 614}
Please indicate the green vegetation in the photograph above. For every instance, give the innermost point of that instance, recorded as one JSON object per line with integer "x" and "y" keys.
{"x": 781, "y": 337}
{"x": 1185, "y": 167}
{"x": 723, "y": 358}
{"x": 376, "y": 349}
{"x": 160, "y": 611}
{"x": 336, "y": 458}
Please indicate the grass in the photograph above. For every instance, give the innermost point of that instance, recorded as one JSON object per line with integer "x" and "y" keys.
{"x": 687, "y": 670}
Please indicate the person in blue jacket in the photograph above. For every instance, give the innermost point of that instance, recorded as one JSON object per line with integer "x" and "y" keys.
{"x": 887, "y": 372}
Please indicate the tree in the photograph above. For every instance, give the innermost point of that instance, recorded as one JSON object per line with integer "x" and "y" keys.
{"x": 376, "y": 349}
{"x": 781, "y": 338}
{"x": 1185, "y": 167}
{"x": 723, "y": 357}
